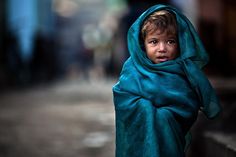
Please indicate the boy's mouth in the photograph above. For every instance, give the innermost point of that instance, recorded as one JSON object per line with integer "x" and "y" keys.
{"x": 162, "y": 59}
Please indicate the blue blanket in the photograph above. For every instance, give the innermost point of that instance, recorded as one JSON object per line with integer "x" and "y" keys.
{"x": 156, "y": 104}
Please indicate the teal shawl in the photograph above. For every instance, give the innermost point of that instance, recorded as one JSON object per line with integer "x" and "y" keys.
{"x": 156, "y": 104}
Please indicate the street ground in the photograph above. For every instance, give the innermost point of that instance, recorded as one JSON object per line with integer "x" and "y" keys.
{"x": 75, "y": 118}
{"x": 65, "y": 119}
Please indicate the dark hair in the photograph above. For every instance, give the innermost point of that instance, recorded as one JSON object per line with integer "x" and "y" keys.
{"x": 160, "y": 20}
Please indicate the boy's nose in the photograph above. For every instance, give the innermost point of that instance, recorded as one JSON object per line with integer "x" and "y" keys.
{"x": 162, "y": 47}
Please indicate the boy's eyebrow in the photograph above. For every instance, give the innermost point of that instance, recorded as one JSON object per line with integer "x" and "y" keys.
{"x": 172, "y": 36}
{"x": 156, "y": 37}
{"x": 151, "y": 38}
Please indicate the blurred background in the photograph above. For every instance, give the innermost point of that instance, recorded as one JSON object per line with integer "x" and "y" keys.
{"x": 60, "y": 58}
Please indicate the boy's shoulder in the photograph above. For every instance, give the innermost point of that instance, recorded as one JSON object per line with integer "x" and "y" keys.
{"x": 129, "y": 69}
{"x": 129, "y": 75}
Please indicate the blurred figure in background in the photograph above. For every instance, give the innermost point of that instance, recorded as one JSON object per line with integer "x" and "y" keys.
{"x": 13, "y": 61}
{"x": 43, "y": 65}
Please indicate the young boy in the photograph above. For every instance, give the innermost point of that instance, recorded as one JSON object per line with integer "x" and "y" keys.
{"x": 159, "y": 35}
{"x": 161, "y": 87}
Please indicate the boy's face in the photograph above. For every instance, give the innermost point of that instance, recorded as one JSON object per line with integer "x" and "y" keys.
{"x": 161, "y": 47}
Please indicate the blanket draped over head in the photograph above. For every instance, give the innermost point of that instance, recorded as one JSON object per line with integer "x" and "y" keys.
{"x": 156, "y": 104}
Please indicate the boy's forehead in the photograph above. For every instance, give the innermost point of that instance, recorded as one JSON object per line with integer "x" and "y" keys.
{"x": 153, "y": 29}
{"x": 161, "y": 33}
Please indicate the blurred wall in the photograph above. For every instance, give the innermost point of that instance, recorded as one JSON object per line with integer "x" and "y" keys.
{"x": 216, "y": 23}
{"x": 2, "y": 41}
{"x": 75, "y": 38}
{"x": 229, "y": 37}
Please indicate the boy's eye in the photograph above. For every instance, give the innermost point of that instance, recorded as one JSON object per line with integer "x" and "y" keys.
{"x": 171, "y": 41}
{"x": 153, "y": 41}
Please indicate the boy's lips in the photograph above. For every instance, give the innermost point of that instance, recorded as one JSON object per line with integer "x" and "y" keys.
{"x": 162, "y": 59}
